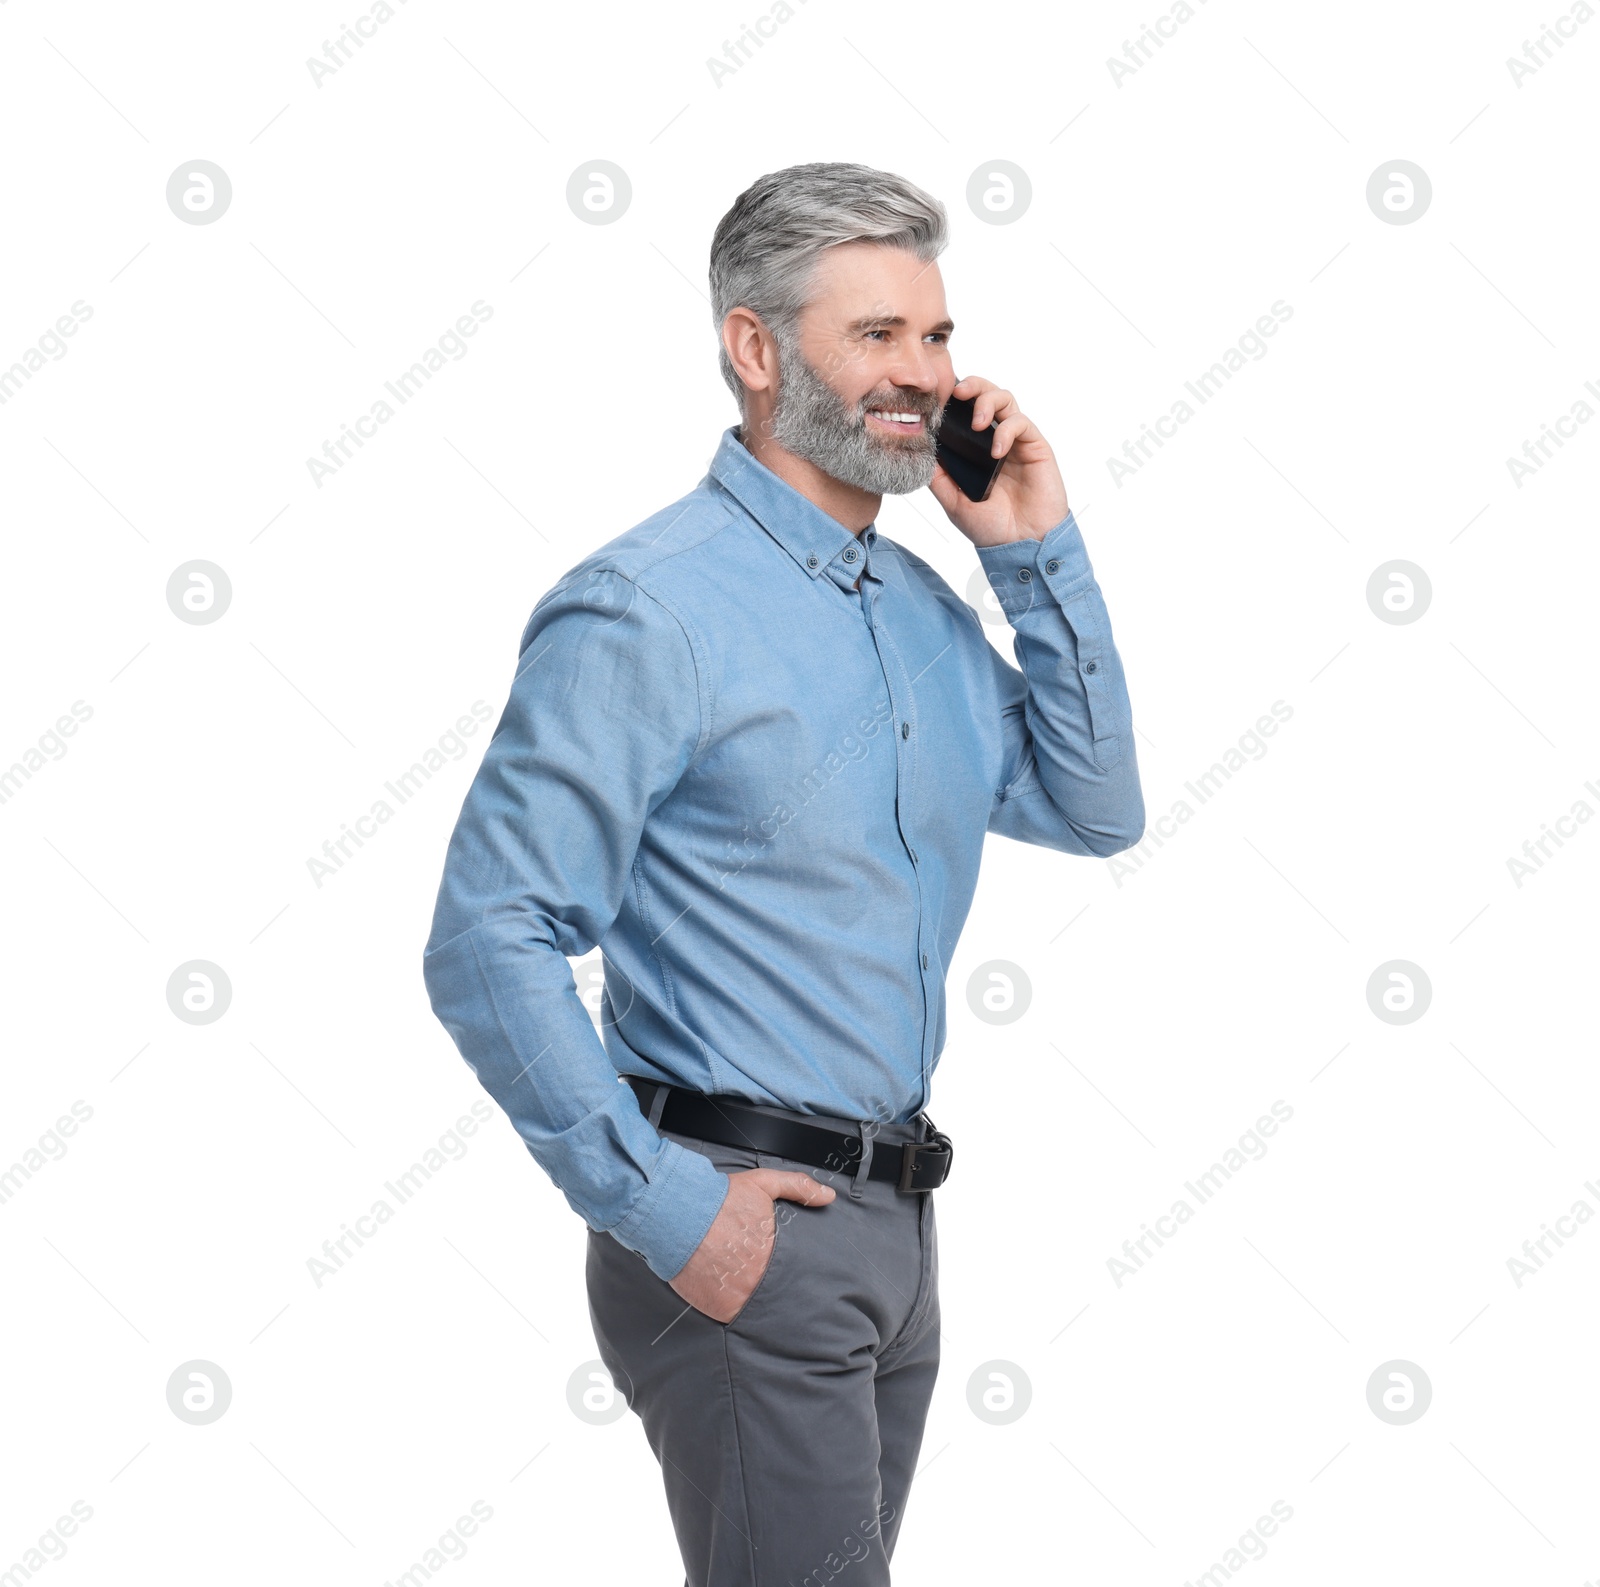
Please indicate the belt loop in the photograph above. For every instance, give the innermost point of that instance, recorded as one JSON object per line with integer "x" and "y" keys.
{"x": 657, "y": 1104}
{"x": 868, "y": 1131}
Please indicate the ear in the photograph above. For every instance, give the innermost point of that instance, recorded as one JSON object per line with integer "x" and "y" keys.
{"x": 751, "y": 350}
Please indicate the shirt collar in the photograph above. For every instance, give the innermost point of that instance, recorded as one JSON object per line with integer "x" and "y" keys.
{"x": 801, "y": 527}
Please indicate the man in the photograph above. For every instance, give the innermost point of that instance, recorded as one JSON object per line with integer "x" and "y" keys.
{"x": 752, "y": 749}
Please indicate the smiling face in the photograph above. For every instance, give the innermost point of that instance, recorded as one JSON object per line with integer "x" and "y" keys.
{"x": 863, "y": 382}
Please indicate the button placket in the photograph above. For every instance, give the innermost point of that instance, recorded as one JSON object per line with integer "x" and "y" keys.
{"x": 904, "y": 784}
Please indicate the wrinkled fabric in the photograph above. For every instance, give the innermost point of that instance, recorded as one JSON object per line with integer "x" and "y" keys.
{"x": 764, "y": 794}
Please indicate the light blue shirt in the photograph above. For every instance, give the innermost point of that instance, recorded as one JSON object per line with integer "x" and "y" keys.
{"x": 764, "y": 794}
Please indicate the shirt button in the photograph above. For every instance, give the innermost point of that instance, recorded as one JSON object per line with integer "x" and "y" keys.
{"x": 905, "y": 730}
{"x": 924, "y": 961}
{"x": 1091, "y": 666}
{"x": 851, "y": 554}
{"x": 1024, "y": 575}
{"x": 811, "y": 561}
{"x": 1052, "y": 566}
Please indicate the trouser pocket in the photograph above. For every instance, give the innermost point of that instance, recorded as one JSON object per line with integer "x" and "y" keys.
{"x": 779, "y": 1219}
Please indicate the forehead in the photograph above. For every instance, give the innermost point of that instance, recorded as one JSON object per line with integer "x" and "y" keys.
{"x": 856, "y": 279}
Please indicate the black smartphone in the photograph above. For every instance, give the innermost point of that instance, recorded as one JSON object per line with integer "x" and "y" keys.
{"x": 965, "y": 451}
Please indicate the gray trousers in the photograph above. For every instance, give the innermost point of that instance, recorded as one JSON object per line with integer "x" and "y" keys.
{"x": 788, "y": 1437}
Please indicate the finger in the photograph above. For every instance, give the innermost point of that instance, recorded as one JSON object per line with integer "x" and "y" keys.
{"x": 1008, "y": 432}
{"x": 971, "y": 386}
{"x": 993, "y": 404}
{"x": 783, "y": 1185}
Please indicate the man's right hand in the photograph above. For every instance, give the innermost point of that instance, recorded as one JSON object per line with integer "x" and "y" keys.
{"x": 728, "y": 1264}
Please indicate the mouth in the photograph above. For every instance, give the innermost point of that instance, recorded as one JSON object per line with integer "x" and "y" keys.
{"x": 896, "y": 421}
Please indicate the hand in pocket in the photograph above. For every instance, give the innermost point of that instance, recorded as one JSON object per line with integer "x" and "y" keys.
{"x": 728, "y": 1264}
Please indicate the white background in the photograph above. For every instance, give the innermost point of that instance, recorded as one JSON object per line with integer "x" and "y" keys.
{"x": 1171, "y": 1007}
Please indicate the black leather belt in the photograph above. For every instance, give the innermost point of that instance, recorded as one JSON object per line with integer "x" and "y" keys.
{"x": 911, "y": 1165}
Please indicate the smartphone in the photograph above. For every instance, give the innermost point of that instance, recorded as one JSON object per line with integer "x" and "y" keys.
{"x": 965, "y": 451}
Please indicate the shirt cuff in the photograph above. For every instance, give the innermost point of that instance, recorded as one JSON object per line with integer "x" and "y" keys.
{"x": 1025, "y": 574}
{"x": 671, "y": 1218}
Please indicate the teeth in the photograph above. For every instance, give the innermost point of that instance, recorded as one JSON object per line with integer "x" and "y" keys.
{"x": 897, "y": 418}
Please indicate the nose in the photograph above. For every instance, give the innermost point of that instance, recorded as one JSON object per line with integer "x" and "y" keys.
{"x": 916, "y": 369}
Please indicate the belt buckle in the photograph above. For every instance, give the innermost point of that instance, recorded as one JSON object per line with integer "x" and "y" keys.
{"x": 936, "y": 1142}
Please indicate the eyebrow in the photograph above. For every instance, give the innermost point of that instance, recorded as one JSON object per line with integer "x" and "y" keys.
{"x": 882, "y": 322}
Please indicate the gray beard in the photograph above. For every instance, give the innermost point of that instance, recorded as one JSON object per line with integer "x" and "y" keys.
{"x": 811, "y": 420}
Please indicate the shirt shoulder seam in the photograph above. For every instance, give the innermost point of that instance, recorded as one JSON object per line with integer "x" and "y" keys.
{"x": 698, "y": 654}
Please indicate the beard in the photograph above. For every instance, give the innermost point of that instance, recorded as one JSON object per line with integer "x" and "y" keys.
{"x": 811, "y": 420}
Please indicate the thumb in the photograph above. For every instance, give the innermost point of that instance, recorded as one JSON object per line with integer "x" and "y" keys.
{"x": 949, "y": 496}
{"x": 945, "y": 490}
{"x": 783, "y": 1185}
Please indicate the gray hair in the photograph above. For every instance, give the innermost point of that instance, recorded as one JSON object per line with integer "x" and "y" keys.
{"x": 766, "y": 247}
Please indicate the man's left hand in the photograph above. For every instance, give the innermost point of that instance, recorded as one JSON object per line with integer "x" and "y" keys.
{"x": 1029, "y": 498}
